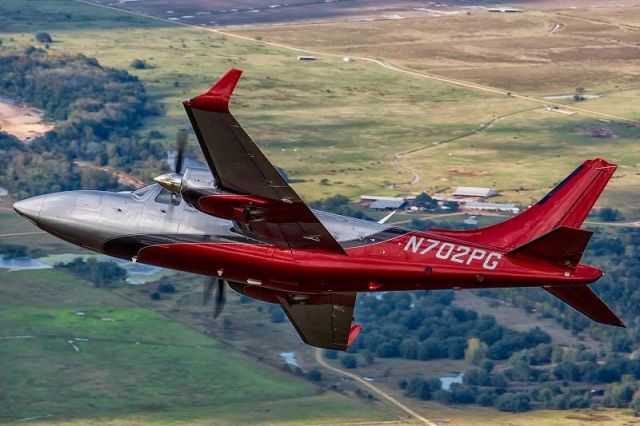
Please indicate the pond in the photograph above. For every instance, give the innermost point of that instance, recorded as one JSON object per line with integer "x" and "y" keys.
{"x": 137, "y": 273}
{"x": 449, "y": 380}
{"x": 290, "y": 358}
{"x": 19, "y": 264}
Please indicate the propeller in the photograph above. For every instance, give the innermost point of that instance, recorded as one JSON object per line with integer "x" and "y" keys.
{"x": 181, "y": 144}
{"x": 219, "y": 284}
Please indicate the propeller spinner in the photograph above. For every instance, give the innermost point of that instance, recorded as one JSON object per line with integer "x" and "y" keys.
{"x": 173, "y": 181}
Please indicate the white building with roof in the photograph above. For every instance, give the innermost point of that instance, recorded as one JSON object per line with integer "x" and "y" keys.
{"x": 472, "y": 191}
{"x": 396, "y": 204}
{"x": 378, "y": 202}
{"x": 494, "y": 207}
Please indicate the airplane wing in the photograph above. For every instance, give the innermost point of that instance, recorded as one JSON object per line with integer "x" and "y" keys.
{"x": 257, "y": 195}
{"x": 323, "y": 320}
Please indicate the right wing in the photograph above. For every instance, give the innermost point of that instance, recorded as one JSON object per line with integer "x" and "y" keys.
{"x": 255, "y": 193}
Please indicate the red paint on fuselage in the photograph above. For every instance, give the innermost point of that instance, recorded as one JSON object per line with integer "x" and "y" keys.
{"x": 414, "y": 261}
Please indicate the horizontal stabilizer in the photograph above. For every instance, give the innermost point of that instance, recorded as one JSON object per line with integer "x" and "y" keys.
{"x": 585, "y": 301}
{"x": 563, "y": 246}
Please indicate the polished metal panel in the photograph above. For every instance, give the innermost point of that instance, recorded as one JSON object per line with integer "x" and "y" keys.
{"x": 30, "y": 208}
{"x": 91, "y": 218}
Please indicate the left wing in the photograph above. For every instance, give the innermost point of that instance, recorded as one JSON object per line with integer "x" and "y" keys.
{"x": 256, "y": 195}
{"x": 323, "y": 320}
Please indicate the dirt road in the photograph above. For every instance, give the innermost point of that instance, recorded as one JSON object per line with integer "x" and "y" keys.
{"x": 373, "y": 388}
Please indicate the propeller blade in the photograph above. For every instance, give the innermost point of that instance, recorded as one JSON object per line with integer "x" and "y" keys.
{"x": 220, "y": 298}
{"x": 181, "y": 144}
{"x": 207, "y": 290}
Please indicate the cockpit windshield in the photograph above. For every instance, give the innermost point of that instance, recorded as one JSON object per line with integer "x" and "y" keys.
{"x": 142, "y": 192}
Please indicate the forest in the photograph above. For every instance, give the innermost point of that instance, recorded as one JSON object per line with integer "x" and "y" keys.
{"x": 97, "y": 112}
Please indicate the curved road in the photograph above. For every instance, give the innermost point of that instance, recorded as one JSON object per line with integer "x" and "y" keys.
{"x": 373, "y": 388}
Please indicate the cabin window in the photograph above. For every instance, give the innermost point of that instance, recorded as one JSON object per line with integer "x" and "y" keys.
{"x": 167, "y": 197}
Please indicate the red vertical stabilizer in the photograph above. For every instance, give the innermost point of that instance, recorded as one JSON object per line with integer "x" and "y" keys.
{"x": 567, "y": 205}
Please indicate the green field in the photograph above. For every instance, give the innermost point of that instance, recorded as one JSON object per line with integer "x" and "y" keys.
{"x": 136, "y": 365}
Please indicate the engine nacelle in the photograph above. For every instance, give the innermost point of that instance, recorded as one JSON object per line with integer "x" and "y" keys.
{"x": 255, "y": 292}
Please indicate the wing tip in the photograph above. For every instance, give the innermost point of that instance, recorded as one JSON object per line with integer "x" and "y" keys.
{"x": 217, "y": 98}
{"x": 601, "y": 163}
{"x": 354, "y": 331}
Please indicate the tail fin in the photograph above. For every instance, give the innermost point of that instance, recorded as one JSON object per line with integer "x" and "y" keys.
{"x": 585, "y": 301}
{"x": 567, "y": 205}
{"x": 563, "y": 246}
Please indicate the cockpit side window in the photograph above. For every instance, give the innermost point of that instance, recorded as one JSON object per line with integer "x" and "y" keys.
{"x": 166, "y": 197}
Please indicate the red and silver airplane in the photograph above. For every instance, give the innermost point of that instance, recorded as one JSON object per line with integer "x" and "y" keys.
{"x": 242, "y": 224}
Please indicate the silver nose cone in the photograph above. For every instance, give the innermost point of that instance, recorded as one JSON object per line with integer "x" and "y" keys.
{"x": 30, "y": 208}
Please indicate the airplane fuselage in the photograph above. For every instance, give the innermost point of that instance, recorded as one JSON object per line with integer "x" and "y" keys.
{"x": 151, "y": 226}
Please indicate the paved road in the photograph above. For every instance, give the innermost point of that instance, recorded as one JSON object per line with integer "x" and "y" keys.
{"x": 373, "y": 388}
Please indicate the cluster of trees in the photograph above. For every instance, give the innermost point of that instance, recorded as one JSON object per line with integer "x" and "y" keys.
{"x": 163, "y": 287}
{"x": 431, "y": 389}
{"x": 566, "y": 378}
{"x": 427, "y": 326}
{"x": 17, "y": 251}
{"x": 96, "y": 111}
{"x": 424, "y": 201}
{"x": 100, "y": 274}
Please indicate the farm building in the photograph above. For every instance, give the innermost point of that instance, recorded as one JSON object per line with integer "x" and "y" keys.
{"x": 494, "y": 207}
{"x": 383, "y": 203}
{"x": 395, "y": 204}
{"x": 306, "y": 58}
{"x": 470, "y": 191}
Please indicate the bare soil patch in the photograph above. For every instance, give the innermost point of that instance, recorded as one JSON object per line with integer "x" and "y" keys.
{"x": 518, "y": 319}
{"x": 22, "y": 121}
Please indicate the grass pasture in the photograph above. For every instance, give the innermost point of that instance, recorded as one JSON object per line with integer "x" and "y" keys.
{"x": 135, "y": 363}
